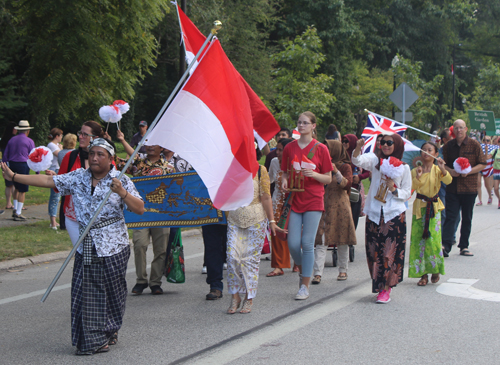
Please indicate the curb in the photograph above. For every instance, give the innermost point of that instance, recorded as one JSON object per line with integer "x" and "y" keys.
{"x": 61, "y": 255}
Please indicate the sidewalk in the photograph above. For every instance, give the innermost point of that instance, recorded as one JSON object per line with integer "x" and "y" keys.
{"x": 34, "y": 213}
{"x": 61, "y": 255}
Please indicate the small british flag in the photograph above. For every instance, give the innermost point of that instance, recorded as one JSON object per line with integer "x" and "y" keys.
{"x": 488, "y": 149}
{"x": 378, "y": 124}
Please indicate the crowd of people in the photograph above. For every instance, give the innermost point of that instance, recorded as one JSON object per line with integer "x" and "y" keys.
{"x": 305, "y": 211}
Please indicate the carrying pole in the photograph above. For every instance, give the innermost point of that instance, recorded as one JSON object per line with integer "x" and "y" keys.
{"x": 213, "y": 32}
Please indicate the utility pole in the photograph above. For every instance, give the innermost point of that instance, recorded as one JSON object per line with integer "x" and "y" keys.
{"x": 182, "y": 58}
{"x": 453, "y": 74}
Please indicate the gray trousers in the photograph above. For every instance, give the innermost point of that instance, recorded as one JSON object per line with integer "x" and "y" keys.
{"x": 141, "y": 239}
{"x": 320, "y": 256}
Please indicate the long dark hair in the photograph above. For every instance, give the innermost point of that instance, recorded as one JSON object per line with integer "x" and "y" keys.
{"x": 97, "y": 129}
{"x": 7, "y": 135}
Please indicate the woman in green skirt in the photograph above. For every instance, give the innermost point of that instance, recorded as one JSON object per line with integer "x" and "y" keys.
{"x": 426, "y": 254}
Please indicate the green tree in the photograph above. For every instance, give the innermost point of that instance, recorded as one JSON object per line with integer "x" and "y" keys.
{"x": 86, "y": 53}
{"x": 299, "y": 86}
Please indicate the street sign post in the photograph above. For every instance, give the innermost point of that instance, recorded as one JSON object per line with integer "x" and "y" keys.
{"x": 408, "y": 117}
{"x": 403, "y": 97}
{"x": 497, "y": 127}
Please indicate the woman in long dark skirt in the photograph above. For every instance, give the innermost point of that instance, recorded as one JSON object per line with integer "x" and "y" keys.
{"x": 386, "y": 222}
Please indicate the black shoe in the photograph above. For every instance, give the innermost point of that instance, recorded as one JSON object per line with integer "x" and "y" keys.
{"x": 20, "y": 218}
{"x": 445, "y": 253}
{"x": 2, "y": 211}
{"x": 156, "y": 290}
{"x": 139, "y": 288}
{"x": 214, "y": 294}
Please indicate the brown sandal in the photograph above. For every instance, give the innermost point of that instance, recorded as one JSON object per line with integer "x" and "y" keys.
{"x": 247, "y": 306}
{"x": 423, "y": 280}
{"x": 316, "y": 280}
{"x": 435, "y": 278}
{"x": 234, "y": 306}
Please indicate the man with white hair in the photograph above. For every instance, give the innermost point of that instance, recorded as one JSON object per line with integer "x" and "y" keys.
{"x": 461, "y": 193}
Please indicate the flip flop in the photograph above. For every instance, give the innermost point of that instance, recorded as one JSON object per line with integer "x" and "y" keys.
{"x": 434, "y": 278}
{"x": 423, "y": 281}
{"x": 466, "y": 252}
{"x": 342, "y": 277}
{"x": 274, "y": 273}
{"x": 12, "y": 207}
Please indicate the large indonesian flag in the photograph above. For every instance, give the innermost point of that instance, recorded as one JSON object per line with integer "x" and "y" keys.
{"x": 209, "y": 123}
{"x": 265, "y": 126}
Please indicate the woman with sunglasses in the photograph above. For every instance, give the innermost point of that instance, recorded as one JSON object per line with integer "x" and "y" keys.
{"x": 73, "y": 161}
{"x": 385, "y": 230}
{"x": 307, "y": 206}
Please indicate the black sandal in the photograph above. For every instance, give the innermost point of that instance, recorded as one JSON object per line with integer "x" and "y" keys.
{"x": 466, "y": 252}
{"x": 114, "y": 339}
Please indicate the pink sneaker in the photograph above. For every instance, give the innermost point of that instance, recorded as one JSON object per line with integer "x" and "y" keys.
{"x": 490, "y": 200}
{"x": 384, "y": 296}
{"x": 479, "y": 204}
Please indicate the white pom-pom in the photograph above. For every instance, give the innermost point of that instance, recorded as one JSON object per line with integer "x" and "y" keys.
{"x": 110, "y": 114}
{"x": 462, "y": 165}
{"x": 391, "y": 167}
{"x": 122, "y": 105}
{"x": 40, "y": 159}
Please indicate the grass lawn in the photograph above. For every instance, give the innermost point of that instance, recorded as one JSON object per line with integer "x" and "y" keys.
{"x": 32, "y": 239}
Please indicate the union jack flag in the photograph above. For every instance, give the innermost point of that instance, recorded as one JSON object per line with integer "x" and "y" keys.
{"x": 378, "y": 124}
{"x": 488, "y": 149}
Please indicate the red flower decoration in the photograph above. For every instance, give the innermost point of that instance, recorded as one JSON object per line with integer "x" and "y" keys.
{"x": 37, "y": 155}
{"x": 395, "y": 161}
{"x": 463, "y": 162}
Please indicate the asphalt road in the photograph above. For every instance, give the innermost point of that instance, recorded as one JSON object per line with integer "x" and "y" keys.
{"x": 339, "y": 323}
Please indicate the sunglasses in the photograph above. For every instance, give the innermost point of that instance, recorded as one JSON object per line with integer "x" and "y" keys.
{"x": 83, "y": 134}
{"x": 386, "y": 142}
{"x": 345, "y": 141}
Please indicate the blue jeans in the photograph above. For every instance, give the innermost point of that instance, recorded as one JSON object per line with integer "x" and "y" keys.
{"x": 53, "y": 202}
{"x": 302, "y": 228}
{"x": 215, "y": 241}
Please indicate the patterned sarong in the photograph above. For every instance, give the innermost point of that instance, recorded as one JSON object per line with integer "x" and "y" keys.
{"x": 98, "y": 293}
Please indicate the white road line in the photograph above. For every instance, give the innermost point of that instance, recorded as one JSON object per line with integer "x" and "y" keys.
{"x": 243, "y": 346}
{"x": 462, "y": 288}
{"x": 68, "y": 286}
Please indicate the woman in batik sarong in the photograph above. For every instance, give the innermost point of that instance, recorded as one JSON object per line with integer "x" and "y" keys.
{"x": 280, "y": 254}
{"x": 246, "y": 231}
{"x": 386, "y": 222}
{"x": 98, "y": 288}
{"x": 426, "y": 254}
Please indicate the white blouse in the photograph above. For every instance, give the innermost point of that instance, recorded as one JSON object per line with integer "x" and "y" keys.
{"x": 395, "y": 205}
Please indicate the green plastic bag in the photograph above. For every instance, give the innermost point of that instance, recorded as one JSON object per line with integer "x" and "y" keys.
{"x": 174, "y": 269}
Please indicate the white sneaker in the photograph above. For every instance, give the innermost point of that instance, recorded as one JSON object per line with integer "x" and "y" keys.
{"x": 225, "y": 266}
{"x": 303, "y": 293}
{"x": 204, "y": 270}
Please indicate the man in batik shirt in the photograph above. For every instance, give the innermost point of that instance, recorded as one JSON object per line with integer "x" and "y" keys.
{"x": 150, "y": 164}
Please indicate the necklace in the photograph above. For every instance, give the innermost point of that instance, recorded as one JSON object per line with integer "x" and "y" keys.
{"x": 95, "y": 178}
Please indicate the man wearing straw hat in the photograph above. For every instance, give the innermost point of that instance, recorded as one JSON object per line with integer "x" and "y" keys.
{"x": 16, "y": 154}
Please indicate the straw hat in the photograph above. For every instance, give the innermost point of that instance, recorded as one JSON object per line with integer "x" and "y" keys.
{"x": 23, "y": 126}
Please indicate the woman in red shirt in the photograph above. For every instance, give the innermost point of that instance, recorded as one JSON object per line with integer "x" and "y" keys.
{"x": 307, "y": 206}
{"x": 89, "y": 131}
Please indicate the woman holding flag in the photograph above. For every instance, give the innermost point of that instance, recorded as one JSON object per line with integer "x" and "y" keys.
{"x": 386, "y": 217}
{"x": 306, "y": 206}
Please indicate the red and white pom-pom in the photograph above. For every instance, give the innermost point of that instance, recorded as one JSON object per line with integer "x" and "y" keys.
{"x": 122, "y": 105}
{"x": 462, "y": 165}
{"x": 391, "y": 167}
{"x": 40, "y": 159}
{"x": 110, "y": 113}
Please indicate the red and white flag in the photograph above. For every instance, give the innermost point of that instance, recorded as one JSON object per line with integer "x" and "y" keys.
{"x": 307, "y": 163}
{"x": 265, "y": 126}
{"x": 410, "y": 146}
{"x": 209, "y": 123}
{"x": 296, "y": 164}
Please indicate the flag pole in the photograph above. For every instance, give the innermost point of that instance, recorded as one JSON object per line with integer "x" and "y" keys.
{"x": 408, "y": 126}
{"x": 213, "y": 32}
